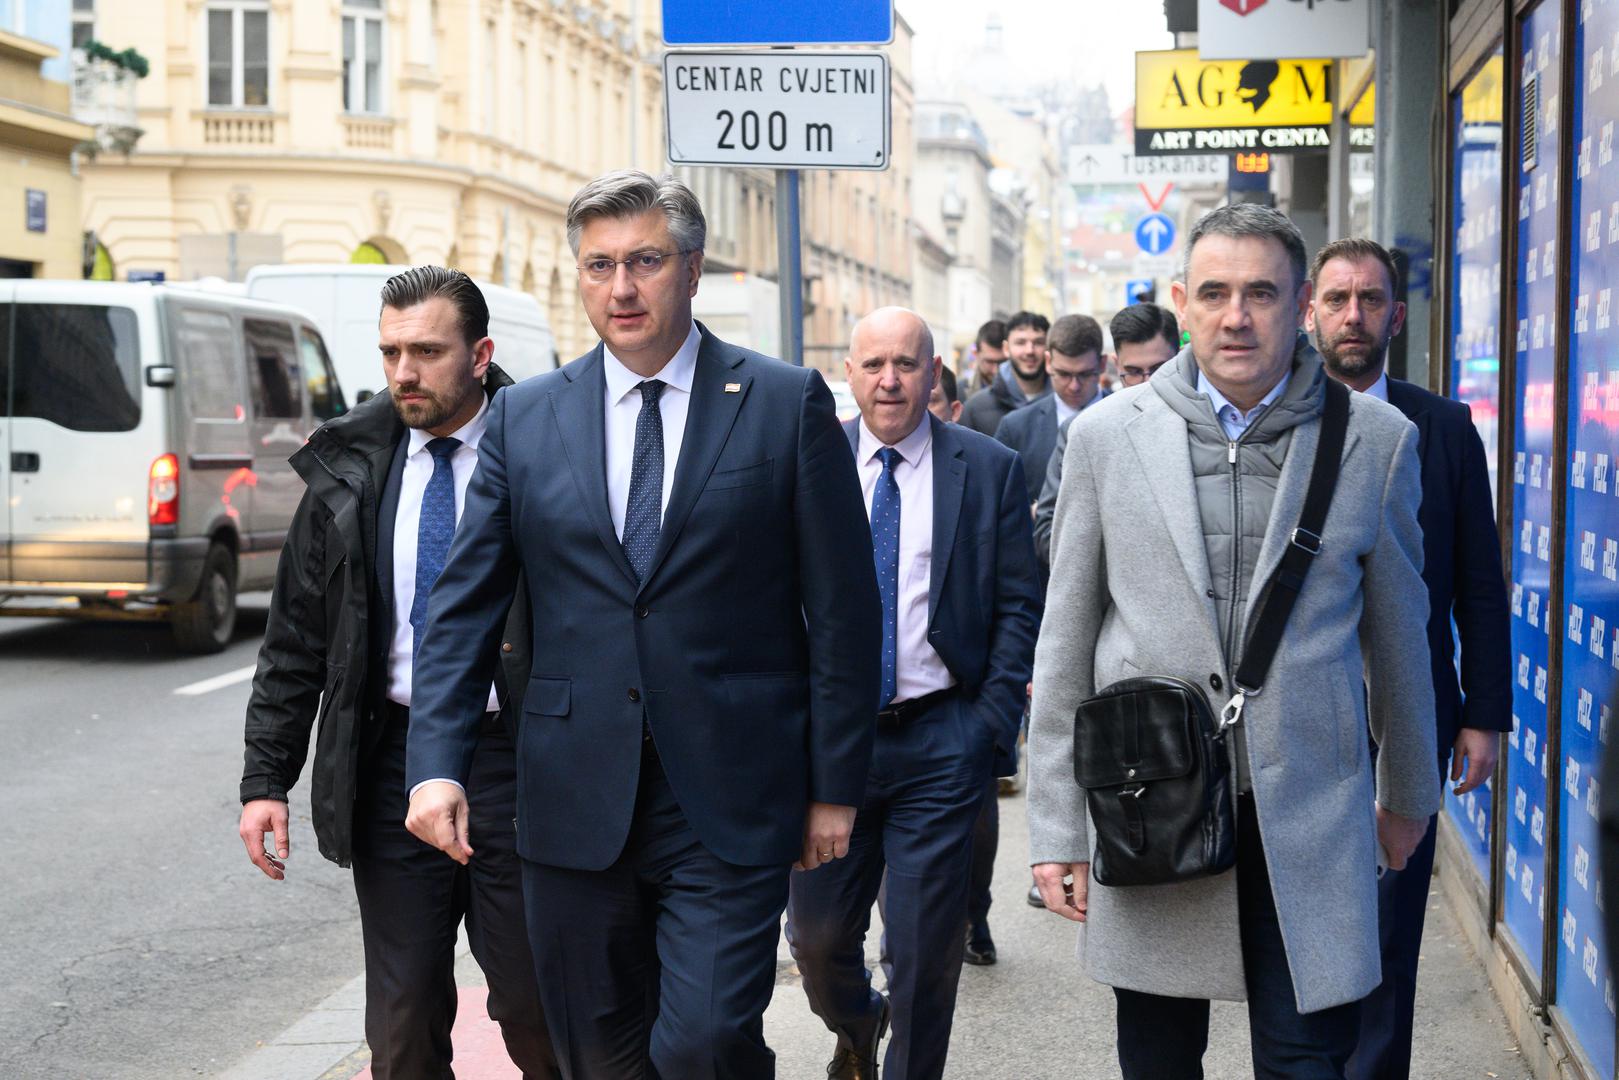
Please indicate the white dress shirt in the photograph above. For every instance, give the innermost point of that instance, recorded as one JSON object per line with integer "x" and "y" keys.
{"x": 1233, "y": 419}
{"x": 624, "y": 408}
{"x": 407, "y": 521}
{"x": 1379, "y": 389}
{"x": 918, "y": 669}
{"x": 1064, "y": 413}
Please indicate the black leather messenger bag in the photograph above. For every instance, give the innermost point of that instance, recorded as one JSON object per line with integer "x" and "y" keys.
{"x": 1153, "y": 759}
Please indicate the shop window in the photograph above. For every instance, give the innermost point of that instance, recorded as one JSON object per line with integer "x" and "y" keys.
{"x": 1475, "y": 310}
{"x": 1528, "y": 518}
{"x": 1584, "y": 991}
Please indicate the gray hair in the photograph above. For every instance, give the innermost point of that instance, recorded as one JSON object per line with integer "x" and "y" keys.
{"x": 629, "y": 192}
{"x": 1248, "y": 219}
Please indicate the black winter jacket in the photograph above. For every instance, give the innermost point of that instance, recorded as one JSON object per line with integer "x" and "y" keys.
{"x": 326, "y": 644}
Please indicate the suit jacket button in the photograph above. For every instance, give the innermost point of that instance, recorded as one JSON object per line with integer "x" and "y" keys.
{"x": 641, "y": 612}
{"x": 506, "y": 646}
{"x": 1214, "y": 681}
{"x": 635, "y": 695}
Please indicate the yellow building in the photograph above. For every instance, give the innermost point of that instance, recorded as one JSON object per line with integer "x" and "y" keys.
{"x": 40, "y": 232}
{"x": 420, "y": 131}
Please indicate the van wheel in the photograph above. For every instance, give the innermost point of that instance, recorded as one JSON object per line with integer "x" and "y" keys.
{"x": 204, "y": 623}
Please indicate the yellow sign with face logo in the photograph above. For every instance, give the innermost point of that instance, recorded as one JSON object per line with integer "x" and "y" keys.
{"x": 1188, "y": 105}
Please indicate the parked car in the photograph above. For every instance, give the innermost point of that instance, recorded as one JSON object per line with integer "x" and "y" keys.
{"x": 144, "y": 446}
{"x": 344, "y": 300}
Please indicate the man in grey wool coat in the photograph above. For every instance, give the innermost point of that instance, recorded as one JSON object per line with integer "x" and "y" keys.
{"x": 1178, "y": 498}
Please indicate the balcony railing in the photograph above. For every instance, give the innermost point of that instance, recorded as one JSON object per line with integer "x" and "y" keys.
{"x": 368, "y": 133}
{"x": 238, "y": 129}
{"x": 104, "y": 97}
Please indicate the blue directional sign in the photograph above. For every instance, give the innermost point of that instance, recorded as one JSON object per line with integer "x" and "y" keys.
{"x": 1134, "y": 288}
{"x": 1155, "y": 234}
{"x": 780, "y": 22}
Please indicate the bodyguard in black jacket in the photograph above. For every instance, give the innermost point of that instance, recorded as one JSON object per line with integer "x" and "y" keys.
{"x": 339, "y": 649}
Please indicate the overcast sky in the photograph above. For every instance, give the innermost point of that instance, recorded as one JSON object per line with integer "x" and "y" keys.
{"x": 1087, "y": 41}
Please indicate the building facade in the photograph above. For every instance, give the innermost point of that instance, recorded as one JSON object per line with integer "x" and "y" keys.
{"x": 419, "y": 131}
{"x": 40, "y": 233}
{"x": 955, "y": 204}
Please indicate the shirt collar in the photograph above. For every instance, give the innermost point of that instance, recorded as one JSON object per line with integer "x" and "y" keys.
{"x": 677, "y": 374}
{"x": 1380, "y": 388}
{"x": 1063, "y": 411}
{"x": 470, "y": 433}
{"x": 911, "y": 448}
{"x": 1221, "y": 403}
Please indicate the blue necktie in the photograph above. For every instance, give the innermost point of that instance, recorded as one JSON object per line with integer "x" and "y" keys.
{"x": 434, "y": 531}
{"x": 885, "y": 544}
{"x": 643, "y": 515}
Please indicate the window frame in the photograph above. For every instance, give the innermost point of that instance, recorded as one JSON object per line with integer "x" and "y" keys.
{"x": 357, "y": 13}
{"x": 238, "y": 10}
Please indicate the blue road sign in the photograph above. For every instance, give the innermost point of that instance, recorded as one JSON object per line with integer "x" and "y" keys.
{"x": 151, "y": 277}
{"x": 1134, "y": 288}
{"x": 1155, "y": 234}
{"x": 780, "y": 22}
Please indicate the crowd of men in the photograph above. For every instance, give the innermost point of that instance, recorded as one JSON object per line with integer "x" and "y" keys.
{"x": 656, "y": 651}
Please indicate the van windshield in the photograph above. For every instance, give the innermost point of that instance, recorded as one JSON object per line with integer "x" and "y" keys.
{"x": 76, "y": 365}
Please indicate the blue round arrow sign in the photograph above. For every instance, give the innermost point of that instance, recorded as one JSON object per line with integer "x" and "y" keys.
{"x": 1155, "y": 234}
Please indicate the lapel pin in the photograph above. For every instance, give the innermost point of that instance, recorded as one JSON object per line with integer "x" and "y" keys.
{"x": 733, "y": 388}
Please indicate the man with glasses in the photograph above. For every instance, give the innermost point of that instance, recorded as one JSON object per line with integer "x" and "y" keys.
{"x": 1074, "y": 366}
{"x": 1145, "y": 338}
{"x": 700, "y": 715}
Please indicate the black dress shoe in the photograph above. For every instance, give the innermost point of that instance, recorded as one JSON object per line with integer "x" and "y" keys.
{"x": 1034, "y": 897}
{"x": 980, "y": 950}
{"x": 850, "y": 1064}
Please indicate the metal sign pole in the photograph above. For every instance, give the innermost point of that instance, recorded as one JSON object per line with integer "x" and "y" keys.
{"x": 790, "y": 276}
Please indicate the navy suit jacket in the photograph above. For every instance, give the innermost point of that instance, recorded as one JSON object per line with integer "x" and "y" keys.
{"x": 751, "y": 650}
{"x": 1461, "y": 566}
{"x": 1032, "y": 432}
{"x": 984, "y": 589}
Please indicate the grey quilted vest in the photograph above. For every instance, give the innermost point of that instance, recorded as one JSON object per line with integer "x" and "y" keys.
{"x": 1236, "y": 485}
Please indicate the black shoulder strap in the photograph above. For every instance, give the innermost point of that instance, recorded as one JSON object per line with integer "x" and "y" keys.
{"x": 1303, "y": 546}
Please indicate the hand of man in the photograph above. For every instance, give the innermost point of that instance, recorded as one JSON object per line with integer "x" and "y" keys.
{"x": 438, "y": 817}
{"x": 265, "y": 816}
{"x": 826, "y": 834}
{"x": 1480, "y": 749}
{"x": 1068, "y": 899}
{"x": 1399, "y": 836}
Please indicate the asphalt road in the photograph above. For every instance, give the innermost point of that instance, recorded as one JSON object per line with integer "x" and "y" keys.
{"x": 136, "y": 940}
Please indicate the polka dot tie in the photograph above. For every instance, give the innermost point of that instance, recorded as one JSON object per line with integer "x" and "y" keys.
{"x": 434, "y": 531}
{"x": 885, "y": 545}
{"x": 643, "y": 516}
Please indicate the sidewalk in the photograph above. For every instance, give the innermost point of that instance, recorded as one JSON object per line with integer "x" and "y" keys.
{"x": 1033, "y": 1015}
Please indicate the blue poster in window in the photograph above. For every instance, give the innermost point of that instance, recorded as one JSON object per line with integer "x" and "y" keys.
{"x": 1585, "y": 991}
{"x": 1523, "y": 905}
{"x": 1475, "y": 308}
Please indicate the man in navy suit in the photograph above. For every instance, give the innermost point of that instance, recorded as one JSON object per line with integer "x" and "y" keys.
{"x": 953, "y": 547}
{"x": 1074, "y": 363}
{"x": 1353, "y": 315}
{"x": 705, "y": 673}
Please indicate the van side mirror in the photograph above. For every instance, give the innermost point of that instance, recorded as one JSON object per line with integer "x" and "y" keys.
{"x": 160, "y": 375}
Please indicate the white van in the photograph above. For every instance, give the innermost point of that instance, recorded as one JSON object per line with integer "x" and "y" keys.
{"x": 144, "y": 437}
{"x": 345, "y": 300}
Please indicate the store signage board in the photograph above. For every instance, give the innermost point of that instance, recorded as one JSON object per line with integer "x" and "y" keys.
{"x": 778, "y": 109}
{"x": 1186, "y": 104}
{"x": 1113, "y": 164}
{"x": 780, "y": 22}
{"x": 1277, "y": 29}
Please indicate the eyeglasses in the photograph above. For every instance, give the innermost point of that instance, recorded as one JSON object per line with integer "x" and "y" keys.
{"x": 643, "y": 264}
{"x": 1076, "y": 376}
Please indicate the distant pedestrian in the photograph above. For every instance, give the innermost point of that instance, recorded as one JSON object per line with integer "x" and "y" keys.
{"x": 943, "y": 402}
{"x": 1074, "y": 366}
{"x": 1020, "y": 380}
{"x": 1178, "y": 504}
{"x": 988, "y": 354}
{"x": 705, "y": 662}
{"x": 1145, "y": 337}
{"x": 955, "y": 568}
{"x": 1354, "y": 315}
{"x": 386, "y": 486}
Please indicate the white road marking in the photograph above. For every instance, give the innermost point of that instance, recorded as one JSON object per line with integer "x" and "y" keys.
{"x": 218, "y": 682}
